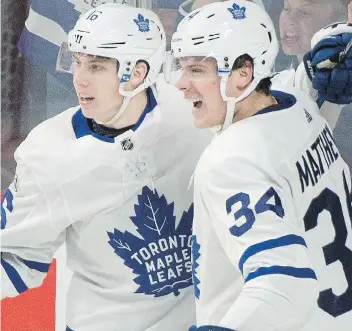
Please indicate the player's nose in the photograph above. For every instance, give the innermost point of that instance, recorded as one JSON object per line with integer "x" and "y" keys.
{"x": 291, "y": 18}
{"x": 80, "y": 77}
{"x": 184, "y": 83}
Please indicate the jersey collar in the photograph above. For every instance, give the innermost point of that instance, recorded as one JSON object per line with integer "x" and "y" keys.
{"x": 284, "y": 101}
{"x": 81, "y": 127}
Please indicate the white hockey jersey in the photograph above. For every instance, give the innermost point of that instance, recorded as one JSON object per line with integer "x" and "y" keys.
{"x": 122, "y": 207}
{"x": 267, "y": 188}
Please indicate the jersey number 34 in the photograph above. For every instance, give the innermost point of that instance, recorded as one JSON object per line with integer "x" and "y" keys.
{"x": 336, "y": 251}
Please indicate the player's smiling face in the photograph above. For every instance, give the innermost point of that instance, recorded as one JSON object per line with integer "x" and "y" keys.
{"x": 97, "y": 85}
{"x": 200, "y": 83}
{"x": 299, "y": 20}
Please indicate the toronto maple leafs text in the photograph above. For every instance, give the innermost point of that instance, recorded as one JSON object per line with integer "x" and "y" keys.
{"x": 165, "y": 267}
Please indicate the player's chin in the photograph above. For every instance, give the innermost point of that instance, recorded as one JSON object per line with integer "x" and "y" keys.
{"x": 290, "y": 49}
{"x": 201, "y": 123}
{"x": 199, "y": 117}
{"x": 88, "y": 112}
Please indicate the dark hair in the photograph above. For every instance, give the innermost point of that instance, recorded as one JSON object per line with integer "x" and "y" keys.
{"x": 264, "y": 85}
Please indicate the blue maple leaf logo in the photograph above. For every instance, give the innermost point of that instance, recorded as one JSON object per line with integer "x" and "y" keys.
{"x": 142, "y": 23}
{"x": 238, "y": 12}
{"x": 125, "y": 78}
{"x": 161, "y": 259}
{"x": 195, "y": 257}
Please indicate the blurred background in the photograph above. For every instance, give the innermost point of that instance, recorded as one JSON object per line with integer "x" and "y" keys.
{"x": 32, "y": 91}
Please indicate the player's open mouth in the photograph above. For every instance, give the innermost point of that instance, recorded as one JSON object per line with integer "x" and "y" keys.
{"x": 197, "y": 104}
{"x": 85, "y": 97}
{"x": 290, "y": 38}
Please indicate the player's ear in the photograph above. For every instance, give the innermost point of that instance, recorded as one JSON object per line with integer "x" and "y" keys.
{"x": 246, "y": 72}
{"x": 139, "y": 73}
{"x": 239, "y": 79}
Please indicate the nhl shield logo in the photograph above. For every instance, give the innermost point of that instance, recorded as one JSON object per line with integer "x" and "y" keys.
{"x": 127, "y": 144}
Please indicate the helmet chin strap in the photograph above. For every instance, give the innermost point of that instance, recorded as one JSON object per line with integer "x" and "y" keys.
{"x": 126, "y": 101}
{"x": 231, "y": 103}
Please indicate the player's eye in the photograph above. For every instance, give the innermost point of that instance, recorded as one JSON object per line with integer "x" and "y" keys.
{"x": 196, "y": 71}
{"x": 96, "y": 67}
{"x": 304, "y": 13}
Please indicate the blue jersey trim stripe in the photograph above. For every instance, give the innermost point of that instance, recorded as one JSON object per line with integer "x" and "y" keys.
{"x": 68, "y": 329}
{"x": 39, "y": 266}
{"x": 270, "y": 244}
{"x": 81, "y": 128}
{"x": 281, "y": 270}
{"x": 285, "y": 101}
{"x": 14, "y": 277}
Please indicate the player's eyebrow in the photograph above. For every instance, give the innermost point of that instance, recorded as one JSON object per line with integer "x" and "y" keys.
{"x": 100, "y": 59}
{"x": 314, "y": 2}
{"x": 94, "y": 58}
{"x": 192, "y": 65}
{"x": 305, "y": 3}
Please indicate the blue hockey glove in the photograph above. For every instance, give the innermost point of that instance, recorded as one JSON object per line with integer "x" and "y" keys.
{"x": 329, "y": 63}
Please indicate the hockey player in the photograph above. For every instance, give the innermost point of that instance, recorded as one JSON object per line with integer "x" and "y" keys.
{"x": 272, "y": 228}
{"x": 301, "y": 19}
{"x": 109, "y": 179}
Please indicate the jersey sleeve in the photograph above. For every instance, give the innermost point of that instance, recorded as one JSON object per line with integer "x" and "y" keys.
{"x": 328, "y": 110}
{"x": 255, "y": 222}
{"x": 286, "y": 79}
{"x": 28, "y": 237}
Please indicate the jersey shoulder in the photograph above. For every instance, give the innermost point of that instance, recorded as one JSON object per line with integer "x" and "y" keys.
{"x": 50, "y": 131}
{"x": 50, "y": 150}
{"x": 267, "y": 138}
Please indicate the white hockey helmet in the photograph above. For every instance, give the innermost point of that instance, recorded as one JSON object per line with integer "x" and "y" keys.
{"x": 224, "y": 31}
{"x": 186, "y": 5}
{"x": 122, "y": 32}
